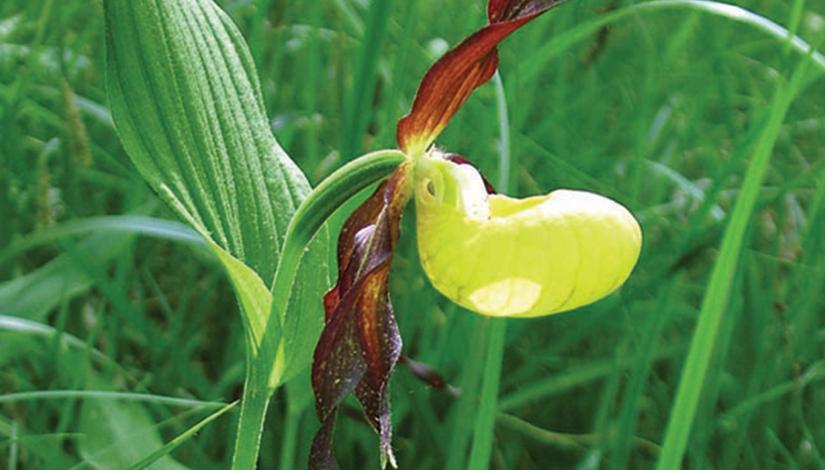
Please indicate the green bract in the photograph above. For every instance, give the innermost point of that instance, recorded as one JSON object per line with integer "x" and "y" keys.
{"x": 502, "y": 256}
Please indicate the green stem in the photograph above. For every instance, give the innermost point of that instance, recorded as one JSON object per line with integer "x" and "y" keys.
{"x": 253, "y": 413}
{"x": 488, "y": 410}
{"x": 13, "y": 446}
{"x": 344, "y": 183}
{"x": 643, "y": 362}
{"x": 464, "y": 416}
{"x": 335, "y": 190}
{"x": 497, "y": 327}
{"x": 293, "y": 419}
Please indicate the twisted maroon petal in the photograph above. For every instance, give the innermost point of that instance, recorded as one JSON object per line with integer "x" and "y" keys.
{"x": 452, "y": 79}
{"x": 360, "y": 343}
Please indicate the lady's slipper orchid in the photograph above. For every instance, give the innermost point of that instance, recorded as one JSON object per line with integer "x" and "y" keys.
{"x": 490, "y": 253}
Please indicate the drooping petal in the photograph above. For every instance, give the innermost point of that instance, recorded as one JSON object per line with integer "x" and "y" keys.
{"x": 452, "y": 79}
{"x": 360, "y": 343}
{"x": 502, "y": 256}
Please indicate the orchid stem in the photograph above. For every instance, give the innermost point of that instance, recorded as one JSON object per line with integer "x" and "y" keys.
{"x": 488, "y": 410}
{"x": 252, "y": 416}
{"x": 497, "y": 328}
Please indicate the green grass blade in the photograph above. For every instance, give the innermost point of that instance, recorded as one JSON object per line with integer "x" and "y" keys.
{"x": 170, "y": 446}
{"x": 107, "y": 395}
{"x": 357, "y": 109}
{"x": 540, "y": 60}
{"x": 482, "y": 446}
{"x": 23, "y": 326}
{"x": 642, "y": 364}
{"x": 13, "y": 450}
{"x": 118, "y": 433}
{"x": 35, "y": 294}
{"x": 133, "y": 224}
{"x": 717, "y": 295}
{"x": 465, "y": 412}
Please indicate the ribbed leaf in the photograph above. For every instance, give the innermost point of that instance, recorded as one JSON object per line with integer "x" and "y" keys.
{"x": 187, "y": 105}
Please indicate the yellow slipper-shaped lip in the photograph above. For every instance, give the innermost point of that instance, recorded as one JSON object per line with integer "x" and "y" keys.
{"x": 502, "y": 256}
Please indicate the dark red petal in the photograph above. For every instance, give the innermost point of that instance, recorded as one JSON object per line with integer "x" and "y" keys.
{"x": 363, "y": 217}
{"x": 320, "y": 455}
{"x": 381, "y": 345}
{"x": 338, "y": 365}
{"x": 360, "y": 343}
{"x": 452, "y": 79}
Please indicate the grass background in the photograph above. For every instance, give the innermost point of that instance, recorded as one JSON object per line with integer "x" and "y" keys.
{"x": 118, "y": 332}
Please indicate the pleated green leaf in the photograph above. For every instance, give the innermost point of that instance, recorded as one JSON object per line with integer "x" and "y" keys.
{"x": 188, "y": 108}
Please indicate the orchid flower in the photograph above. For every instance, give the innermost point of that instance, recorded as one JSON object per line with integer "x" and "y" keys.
{"x": 552, "y": 253}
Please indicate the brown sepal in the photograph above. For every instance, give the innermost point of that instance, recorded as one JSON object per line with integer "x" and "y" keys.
{"x": 360, "y": 343}
{"x": 452, "y": 79}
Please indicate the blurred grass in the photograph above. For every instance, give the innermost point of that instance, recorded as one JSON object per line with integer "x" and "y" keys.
{"x": 661, "y": 110}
